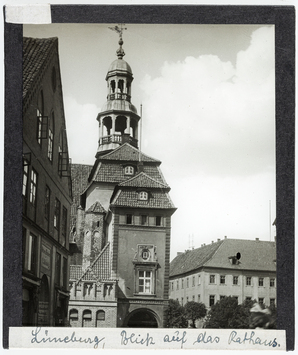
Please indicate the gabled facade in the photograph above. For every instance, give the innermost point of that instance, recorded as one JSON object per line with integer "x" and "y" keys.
{"x": 46, "y": 193}
{"x": 244, "y": 269}
{"x": 123, "y": 223}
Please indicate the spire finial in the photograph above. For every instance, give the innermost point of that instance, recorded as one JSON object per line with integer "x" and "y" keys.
{"x": 120, "y": 52}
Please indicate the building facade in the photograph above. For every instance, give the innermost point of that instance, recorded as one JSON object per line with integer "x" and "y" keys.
{"x": 46, "y": 192}
{"x": 119, "y": 273}
{"x": 244, "y": 269}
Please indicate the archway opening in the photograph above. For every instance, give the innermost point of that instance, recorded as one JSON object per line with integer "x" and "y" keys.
{"x": 142, "y": 319}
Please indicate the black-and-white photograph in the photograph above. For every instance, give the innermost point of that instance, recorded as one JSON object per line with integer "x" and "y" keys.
{"x": 149, "y": 181}
{"x": 149, "y": 176}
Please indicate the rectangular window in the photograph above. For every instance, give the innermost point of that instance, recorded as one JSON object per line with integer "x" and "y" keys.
{"x": 186, "y": 299}
{"x": 261, "y": 281}
{"x": 24, "y": 240}
{"x": 129, "y": 219}
{"x": 25, "y": 177}
{"x": 235, "y": 280}
{"x": 182, "y": 283}
{"x": 64, "y": 272}
{"x": 58, "y": 269}
{"x": 221, "y": 297}
{"x": 57, "y": 214}
{"x": 143, "y": 220}
{"x": 222, "y": 279}
{"x": 187, "y": 282}
{"x": 33, "y": 186}
{"x": 177, "y": 285}
{"x": 236, "y": 298}
{"x": 272, "y": 282}
{"x": 47, "y": 202}
{"x": 181, "y": 301}
{"x": 199, "y": 279}
{"x": 212, "y": 279}
{"x": 145, "y": 281}
{"x": 211, "y": 300}
{"x": 193, "y": 298}
{"x": 172, "y": 286}
{"x": 158, "y": 220}
{"x": 248, "y": 298}
{"x": 39, "y": 126}
{"x": 193, "y": 281}
{"x": 50, "y": 145}
{"x": 272, "y": 302}
{"x": 32, "y": 254}
{"x": 261, "y": 300}
{"x": 64, "y": 226}
{"x": 199, "y": 298}
{"x": 248, "y": 281}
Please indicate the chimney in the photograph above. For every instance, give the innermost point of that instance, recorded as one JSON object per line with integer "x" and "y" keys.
{"x": 226, "y": 237}
{"x": 218, "y": 239}
{"x": 257, "y": 239}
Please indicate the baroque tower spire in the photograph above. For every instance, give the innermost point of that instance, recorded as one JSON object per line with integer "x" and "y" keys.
{"x": 118, "y": 120}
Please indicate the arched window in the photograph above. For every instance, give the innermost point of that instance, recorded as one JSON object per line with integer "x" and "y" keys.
{"x": 143, "y": 195}
{"x": 73, "y": 314}
{"x": 87, "y": 318}
{"x": 100, "y": 318}
{"x": 129, "y": 170}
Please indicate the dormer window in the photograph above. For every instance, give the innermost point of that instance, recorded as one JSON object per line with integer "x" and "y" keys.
{"x": 129, "y": 170}
{"x": 143, "y": 195}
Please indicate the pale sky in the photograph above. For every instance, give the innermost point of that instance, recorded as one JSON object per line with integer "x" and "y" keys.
{"x": 208, "y": 114}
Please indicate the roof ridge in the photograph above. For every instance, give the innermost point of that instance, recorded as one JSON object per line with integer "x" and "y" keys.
{"x": 146, "y": 175}
{"x": 89, "y": 268}
{"x": 126, "y": 144}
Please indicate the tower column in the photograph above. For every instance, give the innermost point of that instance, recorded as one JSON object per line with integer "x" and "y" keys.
{"x": 127, "y": 125}
{"x": 113, "y": 124}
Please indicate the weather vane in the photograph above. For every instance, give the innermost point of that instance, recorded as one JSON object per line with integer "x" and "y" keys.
{"x": 120, "y": 52}
{"x": 119, "y": 29}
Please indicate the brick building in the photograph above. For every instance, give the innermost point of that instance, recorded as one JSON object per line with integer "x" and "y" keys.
{"x": 46, "y": 192}
{"x": 244, "y": 269}
{"x": 119, "y": 273}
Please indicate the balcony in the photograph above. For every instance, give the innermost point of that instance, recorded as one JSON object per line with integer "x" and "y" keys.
{"x": 119, "y": 96}
{"x": 119, "y": 138}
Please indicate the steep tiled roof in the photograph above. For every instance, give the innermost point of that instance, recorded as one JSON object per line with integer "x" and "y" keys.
{"x": 128, "y": 198}
{"x": 255, "y": 255}
{"x": 36, "y": 51}
{"x": 143, "y": 180}
{"x": 98, "y": 270}
{"x": 96, "y": 208}
{"x": 75, "y": 272}
{"x": 114, "y": 173}
{"x": 127, "y": 153}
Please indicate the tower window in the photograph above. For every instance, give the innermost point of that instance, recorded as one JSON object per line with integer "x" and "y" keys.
{"x": 129, "y": 170}
{"x": 145, "y": 281}
{"x": 261, "y": 281}
{"x": 129, "y": 219}
{"x": 158, "y": 220}
{"x": 143, "y": 220}
{"x": 272, "y": 282}
{"x": 222, "y": 279}
{"x": 248, "y": 280}
{"x": 211, "y": 300}
{"x": 143, "y": 195}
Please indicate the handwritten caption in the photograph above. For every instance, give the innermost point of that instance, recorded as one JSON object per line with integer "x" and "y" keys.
{"x": 159, "y": 338}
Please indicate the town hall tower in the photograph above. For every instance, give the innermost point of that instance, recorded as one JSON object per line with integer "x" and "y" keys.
{"x": 121, "y": 221}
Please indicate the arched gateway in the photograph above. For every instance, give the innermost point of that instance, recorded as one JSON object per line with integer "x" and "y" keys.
{"x": 141, "y": 318}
